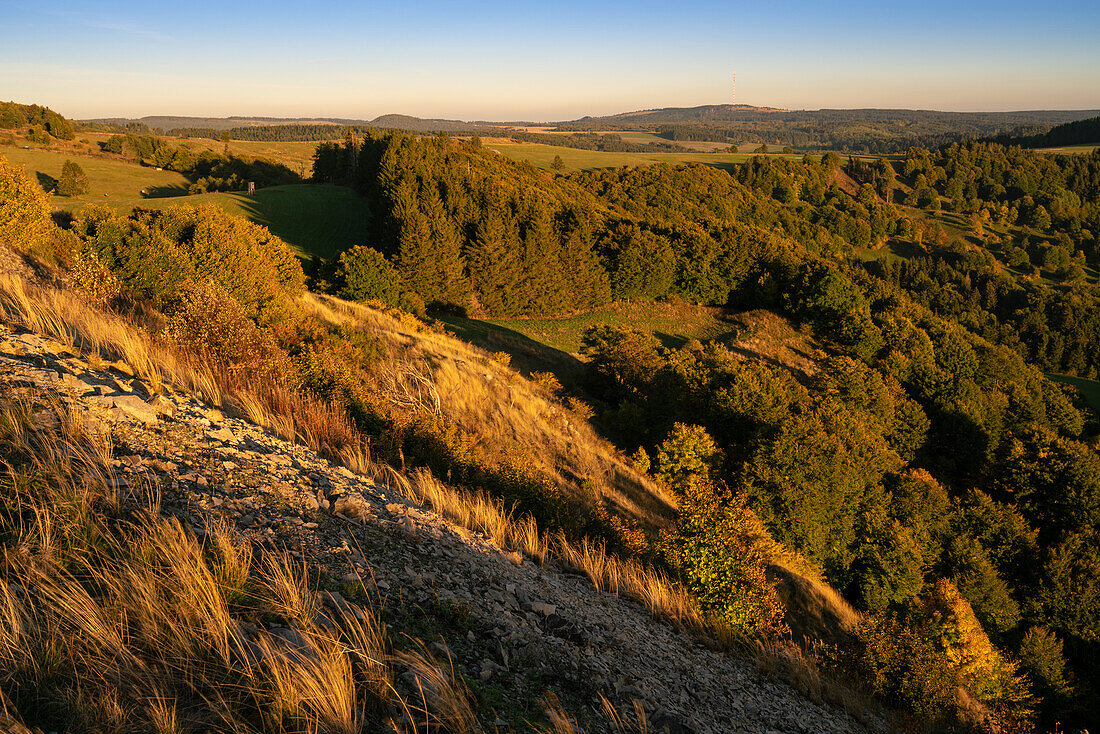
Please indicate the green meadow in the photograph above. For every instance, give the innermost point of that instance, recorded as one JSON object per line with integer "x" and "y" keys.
{"x": 672, "y": 323}
{"x": 317, "y": 220}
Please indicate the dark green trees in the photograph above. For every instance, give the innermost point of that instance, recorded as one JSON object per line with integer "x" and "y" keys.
{"x": 73, "y": 181}
{"x": 366, "y": 275}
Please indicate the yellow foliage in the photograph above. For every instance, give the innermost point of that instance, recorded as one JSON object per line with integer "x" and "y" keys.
{"x": 988, "y": 675}
{"x": 24, "y": 209}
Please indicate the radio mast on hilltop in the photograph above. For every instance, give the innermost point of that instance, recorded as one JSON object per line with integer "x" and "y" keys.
{"x": 733, "y": 90}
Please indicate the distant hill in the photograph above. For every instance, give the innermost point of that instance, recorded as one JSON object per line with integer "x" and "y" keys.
{"x": 1080, "y": 132}
{"x": 167, "y": 122}
{"x": 418, "y": 124}
{"x": 857, "y": 130}
{"x": 394, "y": 121}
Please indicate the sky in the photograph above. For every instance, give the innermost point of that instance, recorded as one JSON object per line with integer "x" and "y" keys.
{"x": 539, "y": 61}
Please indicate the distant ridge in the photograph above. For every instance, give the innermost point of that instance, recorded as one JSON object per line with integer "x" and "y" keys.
{"x": 745, "y": 113}
{"x": 1081, "y": 132}
{"x": 868, "y": 130}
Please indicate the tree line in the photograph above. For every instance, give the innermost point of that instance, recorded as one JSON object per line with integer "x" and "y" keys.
{"x": 1071, "y": 133}
{"x": 206, "y": 170}
{"x": 40, "y": 121}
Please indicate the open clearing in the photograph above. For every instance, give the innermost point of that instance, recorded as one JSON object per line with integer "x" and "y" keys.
{"x": 295, "y": 155}
{"x": 1089, "y": 389}
{"x": 318, "y": 220}
{"x": 672, "y": 323}
{"x": 110, "y": 180}
{"x": 315, "y": 219}
{"x": 1083, "y": 148}
{"x": 554, "y": 345}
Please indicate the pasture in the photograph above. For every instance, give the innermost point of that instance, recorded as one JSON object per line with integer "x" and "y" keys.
{"x": 673, "y": 323}
{"x": 1083, "y": 148}
{"x": 110, "y": 180}
{"x": 316, "y": 220}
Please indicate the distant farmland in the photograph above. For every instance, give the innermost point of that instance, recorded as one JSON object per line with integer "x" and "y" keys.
{"x": 541, "y": 156}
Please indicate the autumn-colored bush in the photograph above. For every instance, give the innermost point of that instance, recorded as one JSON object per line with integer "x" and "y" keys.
{"x": 712, "y": 550}
{"x": 155, "y": 254}
{"x": 24, "y": 209}
{"x": 207, "y": 322}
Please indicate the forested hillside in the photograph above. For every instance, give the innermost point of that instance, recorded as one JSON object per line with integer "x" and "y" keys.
{"x": 37, "y": 123}
{"x": 869, "y": 131}
{"x": 925, "y": 466}
{"x": 1071, "y": 133}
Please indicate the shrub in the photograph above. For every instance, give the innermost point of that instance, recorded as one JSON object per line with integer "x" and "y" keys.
{"x": 364, "y": 275}
{"x": 156, "y": 253}
{"x": 687, "y": 459}
{"x": 903, "y": 665}
{"x": 206, "y": 321}
{"x": 718, "y": 564}
{"x": 988, "y": 675}
{"x": 24, "y": 209}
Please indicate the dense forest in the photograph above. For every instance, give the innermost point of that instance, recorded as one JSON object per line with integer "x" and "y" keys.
{"x": 1072, "y": 133}
{"x": 924, "y": 466}
{"x": 270, "y": 133}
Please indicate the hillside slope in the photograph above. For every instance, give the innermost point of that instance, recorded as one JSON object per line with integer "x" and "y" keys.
{"x": 512, "y": 628}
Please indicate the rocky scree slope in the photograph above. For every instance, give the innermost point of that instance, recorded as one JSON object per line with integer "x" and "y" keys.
{"x": 512, "y": 627}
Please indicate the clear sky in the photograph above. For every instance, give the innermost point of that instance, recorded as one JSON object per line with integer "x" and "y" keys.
{"x": 548, "y": 60}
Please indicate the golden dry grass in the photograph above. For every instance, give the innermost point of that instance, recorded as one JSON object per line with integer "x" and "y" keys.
{"x": 180, "y": 605}
{"x": 607, "y": 571}
{"x": 128, "y": 607}
{"x": 506, "y": 415}
{"x": 108, "y": 339}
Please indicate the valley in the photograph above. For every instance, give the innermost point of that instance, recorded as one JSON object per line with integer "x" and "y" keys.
{"x": 817, "y": 430}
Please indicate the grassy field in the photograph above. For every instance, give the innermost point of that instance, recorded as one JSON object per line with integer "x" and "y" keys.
{"x": 315, "y": 220}
{"x": 110, "y": 181}
{"x": 705, "y": 146}
{"x": 297, "y": 155}
{"x": 556, "y": 342}
{"x": 541, "y": 156}
{"x": 1083, "y": 148}
{"x": 1089, "y": 389}
{"x": 553, "y": 345}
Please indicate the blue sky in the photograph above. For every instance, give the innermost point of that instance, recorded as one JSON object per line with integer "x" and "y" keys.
{"x": 546, "y": 60}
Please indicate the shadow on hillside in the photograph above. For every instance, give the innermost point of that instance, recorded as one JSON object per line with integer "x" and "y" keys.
{"x": 906, "y": 249}
{"x": 260, "y": 208}
{"x": 673, "y": 341}
{"x": 723, "y": 165}
{"x": 527, "y": 354}
{"x": 164, "y": 192}
{"x": 46, "y": 181}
